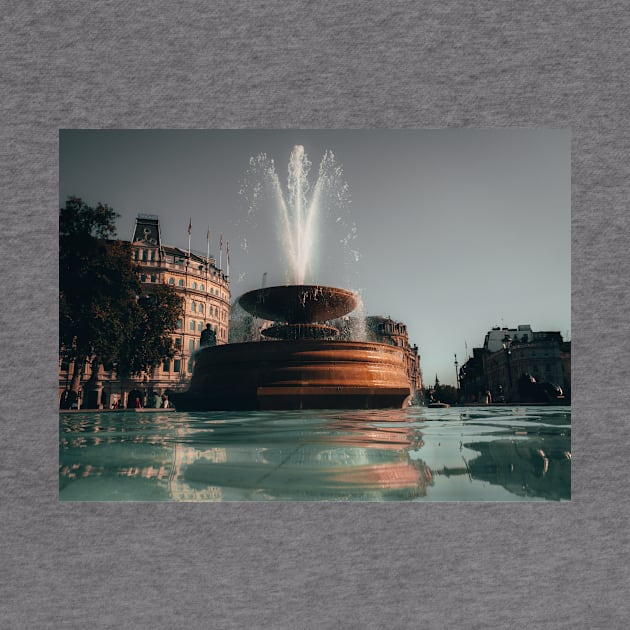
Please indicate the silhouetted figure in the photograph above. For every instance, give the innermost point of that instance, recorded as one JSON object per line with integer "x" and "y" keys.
{"x": 208, "y": 337}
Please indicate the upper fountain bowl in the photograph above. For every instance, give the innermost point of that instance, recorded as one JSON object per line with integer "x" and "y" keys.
{"x": 299, "y": 303}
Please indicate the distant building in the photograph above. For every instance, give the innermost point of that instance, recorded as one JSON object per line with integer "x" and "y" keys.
{"x": 205, "y": 292}
{"x": 512, "y": 358}
{"x": 386, "y": 330}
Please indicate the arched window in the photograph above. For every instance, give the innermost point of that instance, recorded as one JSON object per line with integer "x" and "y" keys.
{"x": 193, "y": 307}
{"x": 171, "y": 280}
{"x": 194, "y": 285}
{"x": 200, "y": 326}
{"x": 180, "y": 283}
{"x": 201, "y": 286}
{"x": 201, "y": 308}
{"x": 191, "y": 344}
{"x": 192, "y": 325}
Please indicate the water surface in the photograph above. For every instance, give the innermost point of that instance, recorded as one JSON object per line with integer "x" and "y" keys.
{"x": 507, "y": 453}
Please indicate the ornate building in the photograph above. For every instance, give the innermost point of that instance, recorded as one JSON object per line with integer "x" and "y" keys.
{"x": 205, "y": 292}
{"x": 386, "y": 330}
{"x": 513, "y": 359}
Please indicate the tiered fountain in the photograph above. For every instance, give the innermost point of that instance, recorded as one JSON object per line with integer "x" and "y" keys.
{"x": 304, "y": 367}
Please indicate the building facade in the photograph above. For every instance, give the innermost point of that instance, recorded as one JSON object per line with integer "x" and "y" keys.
{"x": 205, "y": 293}
{"x": 512, "y": 360}
{"x": 386, "y": 330}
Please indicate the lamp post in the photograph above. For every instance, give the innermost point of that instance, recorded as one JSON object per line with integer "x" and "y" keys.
{"x": 507, "y": 348}
{"x": 457, "y": 377}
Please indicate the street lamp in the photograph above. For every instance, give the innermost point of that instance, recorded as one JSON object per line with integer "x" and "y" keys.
{"x": 507, "y": 345}
{"x": 457, "y": 377}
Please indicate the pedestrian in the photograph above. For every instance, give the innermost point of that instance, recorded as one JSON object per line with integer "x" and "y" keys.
{"x": 138, "y": 403}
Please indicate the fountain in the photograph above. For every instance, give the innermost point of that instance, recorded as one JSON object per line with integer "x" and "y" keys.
{"x": 302, "y": 365}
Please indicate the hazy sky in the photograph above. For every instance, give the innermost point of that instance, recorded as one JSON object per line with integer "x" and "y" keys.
{"x": 449, "y": 231}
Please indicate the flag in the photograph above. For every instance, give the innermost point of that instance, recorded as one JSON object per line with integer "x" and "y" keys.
{"x": 189, "y": 225}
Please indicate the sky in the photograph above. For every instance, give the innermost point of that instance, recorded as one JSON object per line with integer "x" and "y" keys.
{"x": 450, "y": 231}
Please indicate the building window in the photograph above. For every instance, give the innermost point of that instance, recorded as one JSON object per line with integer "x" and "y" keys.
{"x": 200, "y": 326}
{"x": 180, "y": 283}
{"x": 145, "y": 255}
{"x": 193, "y": 307}
{"x": 153, "y": 279}
{"x": 152, "y": 255}
{"x": 201, "y": 286}
{"x": 192, "y": 325}
{"x": 171, "y": 281}
{"x": 136, "y": 254}
{"x": 190, "y": 365}
{"x": 201, "y": 308}
{"x": 176, "y": 365}
{"x": 194, "y": 285}
{"x": 166, "y": 366}
{"x": 143, "y": 278}
{"x": 191, "y": 344}
{"x": 180, "y": 323}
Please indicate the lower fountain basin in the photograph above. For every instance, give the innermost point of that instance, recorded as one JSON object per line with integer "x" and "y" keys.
{"x": 302, "y": 374}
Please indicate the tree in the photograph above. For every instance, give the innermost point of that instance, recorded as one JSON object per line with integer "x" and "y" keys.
{"x": 103, "y": 316}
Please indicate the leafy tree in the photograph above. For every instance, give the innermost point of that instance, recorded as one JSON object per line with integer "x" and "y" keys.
{"x": 443, "y": 393}
{"x": 103, "y": 316}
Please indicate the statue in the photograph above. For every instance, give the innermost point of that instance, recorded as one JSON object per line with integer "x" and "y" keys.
{"x": 208, "y": 337}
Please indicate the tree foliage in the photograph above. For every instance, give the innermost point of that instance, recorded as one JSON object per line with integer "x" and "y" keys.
{"x": 103, "y": 315}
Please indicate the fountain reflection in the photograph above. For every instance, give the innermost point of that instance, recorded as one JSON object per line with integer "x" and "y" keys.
{"x": 345, "y": 458}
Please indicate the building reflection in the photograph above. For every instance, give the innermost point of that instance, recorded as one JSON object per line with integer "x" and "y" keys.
{"x": 351, "y": 456}
{"x": 535, "y": 467}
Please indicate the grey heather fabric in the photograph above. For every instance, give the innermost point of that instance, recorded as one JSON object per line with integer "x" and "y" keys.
{"x": 313, "y": 64}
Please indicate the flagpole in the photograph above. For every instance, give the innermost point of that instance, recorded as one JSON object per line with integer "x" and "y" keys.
{"x": 189, "y": 232}
{"x": 208, "y": 256}
{"x": 221, "y": 253}
{"x": 228, "y": 259}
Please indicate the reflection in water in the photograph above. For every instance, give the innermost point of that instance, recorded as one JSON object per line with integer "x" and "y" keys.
{"x": 414, "y": 454}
